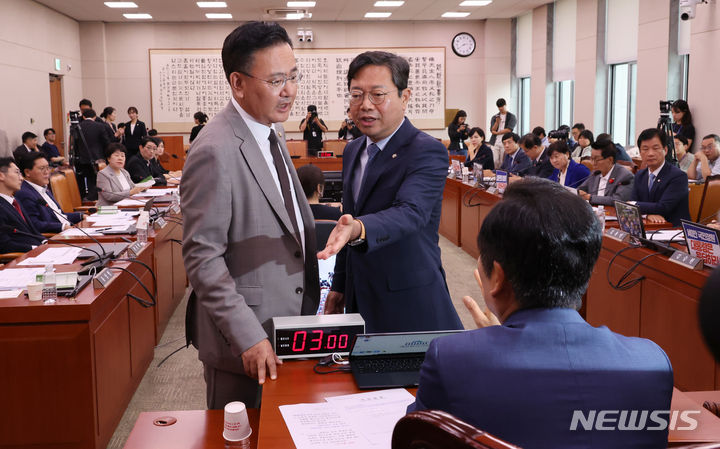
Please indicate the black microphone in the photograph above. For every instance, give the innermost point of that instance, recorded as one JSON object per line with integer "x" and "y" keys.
{"x": 580, "y": 181}
{"x": 623, "y": 183}
{"x": 10, "y": 229}
{"x": 42, "y": 202}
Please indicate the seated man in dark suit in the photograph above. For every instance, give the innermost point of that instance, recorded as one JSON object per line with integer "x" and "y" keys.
{"x": 530, "y": 379}
{"x": 609, "y": 182}
{"x": 28, "y": 146}
{"x": 540, "y": 165}
{"x": 17, "y": 233}
{"x": 140, "y": 166}
{"x": 515, "y": 160}
{"x": 313, "y": 184}
{"x": 38, "y": 201}
{"x": 50, "y": 150}
{"x": 660, "y": 190}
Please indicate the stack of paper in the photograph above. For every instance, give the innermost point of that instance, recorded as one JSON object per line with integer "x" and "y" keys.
{"x": 156, "y": 192}
{"x": 363, "y": 420}
{"x": 54, "y": 255}
{"x": 18, "y": 278}
{"x": 130, "y": 202}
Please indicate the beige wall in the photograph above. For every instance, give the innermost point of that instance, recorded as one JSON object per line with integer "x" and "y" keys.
{"x": 541, "y": 87}
{"x": 31, "y": 37}
{"x": 703, "y": 91}
{"x": 498, "y": 58}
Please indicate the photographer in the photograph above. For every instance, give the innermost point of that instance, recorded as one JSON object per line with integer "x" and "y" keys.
{"x": 90, "y": 139}
{"x": 348, "y": 130}
{"x": 458, "y": 132}
{"x": 312, "y": 127}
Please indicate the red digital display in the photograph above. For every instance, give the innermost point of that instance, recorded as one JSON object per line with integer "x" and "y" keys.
{"x": 325, "y": 340}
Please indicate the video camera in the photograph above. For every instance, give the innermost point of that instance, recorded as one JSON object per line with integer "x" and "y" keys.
{"x": 665, "y": 106}
{"x": 75, "y": 117}
{"x": 561, "y": 135}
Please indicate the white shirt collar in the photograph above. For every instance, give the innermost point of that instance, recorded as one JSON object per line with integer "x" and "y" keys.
{"x": 259, "y": 131}
{"x": 607, "y": 177}
{"x": 41, "y": 190}
{"x": 656, "y": 172}
{"x": 8, "y": 198}
{"x": 381, "y": 143}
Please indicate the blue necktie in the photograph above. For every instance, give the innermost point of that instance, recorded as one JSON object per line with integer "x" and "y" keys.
{"x": 372, "y": 151}
{"x": 651, "y": 179}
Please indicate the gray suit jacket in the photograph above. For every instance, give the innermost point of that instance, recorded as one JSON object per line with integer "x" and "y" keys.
{"x": 112, "y": 191}
{"x": 614, "y": 190}
{"x": 242, "y": 259}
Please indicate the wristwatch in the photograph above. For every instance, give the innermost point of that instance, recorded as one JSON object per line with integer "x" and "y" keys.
{"x": 361, "y": 239}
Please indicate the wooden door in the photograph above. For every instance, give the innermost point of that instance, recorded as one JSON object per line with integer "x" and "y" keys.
{"x": 56, "y": 111}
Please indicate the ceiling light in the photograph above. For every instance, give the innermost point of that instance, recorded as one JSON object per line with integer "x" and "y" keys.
{"x": 388, "y": 4}
{"x": 300, "y": 4}
{"x": 137, "y": 16}
{"x": 211, "y": 15}
{"x": 297, "y": 15}
{"x": 212, "y": 4}
{"x": 377, "y": 15}
{"x": 476, "y": 3}
{"x": 451, "y": 14}
{"x": 121, "y": 4}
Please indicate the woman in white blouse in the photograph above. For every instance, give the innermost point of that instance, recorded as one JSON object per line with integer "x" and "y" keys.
{"x": 113, "y": 182}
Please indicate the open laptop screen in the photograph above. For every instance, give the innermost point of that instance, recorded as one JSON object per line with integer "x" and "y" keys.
{"x": 395, "y": 343}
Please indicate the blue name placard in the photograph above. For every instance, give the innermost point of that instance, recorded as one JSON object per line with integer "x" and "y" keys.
{"x": 703, "y": 243}
{"x": 501, "y": 180}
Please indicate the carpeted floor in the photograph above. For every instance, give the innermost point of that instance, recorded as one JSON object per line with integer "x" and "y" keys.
{"x": 178, "y": 383}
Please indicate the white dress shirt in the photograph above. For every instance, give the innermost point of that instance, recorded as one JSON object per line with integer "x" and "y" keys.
{"x": 122, "y": 180}
{"x": 602, "y": 185}
{"x": 8, "y": 198}
{"x": 261, "y": 133}
{"x": 58, "y": 212}
{"x": 357, "y": 180}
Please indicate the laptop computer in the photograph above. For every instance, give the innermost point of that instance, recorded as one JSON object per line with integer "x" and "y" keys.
{"x": 390, "y": 360}
{"x": 630, "y": 220}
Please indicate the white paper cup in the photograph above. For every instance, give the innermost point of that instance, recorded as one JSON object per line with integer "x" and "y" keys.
{"x": 237, "y": 426}
{"x": 35, "y": 291}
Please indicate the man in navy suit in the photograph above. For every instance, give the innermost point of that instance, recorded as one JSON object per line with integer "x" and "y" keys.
{"x": 43, "y": 211}
{"x": 390, "y": 271}
{"x": 16, "y": 233}
{"x": 660, "y": 189}
{"x": 515, "y": 160}
{"x": 544, "y": 368}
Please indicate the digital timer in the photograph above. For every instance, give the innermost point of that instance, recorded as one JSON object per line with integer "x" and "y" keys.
{"x": 315, "y": 335}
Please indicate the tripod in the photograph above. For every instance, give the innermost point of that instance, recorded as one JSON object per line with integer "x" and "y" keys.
{"x": 665, "y": 125}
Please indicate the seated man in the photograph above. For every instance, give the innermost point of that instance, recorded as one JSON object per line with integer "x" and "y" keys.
{"x": 313, "y": 184}
{"x": 17, "y": 233}
{"x": 609, "y": 182}
{"x": 660, "y": 189}
{"x": 140, "y": 166}
{"x": 38, "y": 201}
{"x": 540, "y": 165}
{"x": 515, "y": 160}
{"x": 29, "y": 145}
{"x": 707, "y": 160}
{"x": 527, "y": 380}
{"x": 50, "y": 150}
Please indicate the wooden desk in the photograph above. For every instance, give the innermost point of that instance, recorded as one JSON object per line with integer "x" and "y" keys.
{"x": 167, "y": 263}
{"x": 193, "y": 429}
{"x": 70, "y": 369}
{"x": 296, "y": 383}
{"x": 325, "y": 163}
{"x": 662, "y": 307}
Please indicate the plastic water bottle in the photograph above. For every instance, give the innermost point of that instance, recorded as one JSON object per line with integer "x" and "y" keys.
{"x": 601, "y": 216}
{"x": 142, "y": 234}
{"x": 142, "y": 227}
{"x": 49, "y": 292}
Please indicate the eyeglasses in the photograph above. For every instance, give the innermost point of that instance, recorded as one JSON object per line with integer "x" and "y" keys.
{"x": 708, "y": 147}
{"x": 376, "y": 97}
{"x": 278, "y": 83}
{"x": 597, "y": 159}
{"x": 44, "y": 168}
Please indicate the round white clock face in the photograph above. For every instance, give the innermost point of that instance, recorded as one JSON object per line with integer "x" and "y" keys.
{"x": 463, "y": 44}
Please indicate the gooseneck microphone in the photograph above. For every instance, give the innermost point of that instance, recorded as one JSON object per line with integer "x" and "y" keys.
{"x": 10, "y": 229}
{"x": 42, "y": 202}
{"x": 580, "y": 181}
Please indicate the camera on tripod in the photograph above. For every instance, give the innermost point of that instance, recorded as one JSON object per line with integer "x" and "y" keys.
{"x": 75, "y": 117}
{"x": 665, "y": 106}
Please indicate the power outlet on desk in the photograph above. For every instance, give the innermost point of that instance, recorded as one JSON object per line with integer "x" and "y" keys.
{"x": 102, "y": 279}
{"x": 159, "y": 223}
{"x": 617, "y": 234}
{"x": 135, "y": 249}
{"x": 687, "y": 261}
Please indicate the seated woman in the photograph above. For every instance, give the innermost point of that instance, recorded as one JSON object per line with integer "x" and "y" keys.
{"x": 313, "y": 184}
{"x": 478, "y": 151}
{"x": 458, "y": 132}
{"x": 567, "y": 172}
{"x": 156, "y": 168}
{"x": 114, "y": 180}
{"x": 584, "y": 148}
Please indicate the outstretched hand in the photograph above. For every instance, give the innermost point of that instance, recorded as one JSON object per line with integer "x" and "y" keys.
{"x": 347, "y": 229}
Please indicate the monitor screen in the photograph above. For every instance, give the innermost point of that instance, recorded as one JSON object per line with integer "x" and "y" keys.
{"x": 399, "y": 343}
{"x": 629, "y": 219}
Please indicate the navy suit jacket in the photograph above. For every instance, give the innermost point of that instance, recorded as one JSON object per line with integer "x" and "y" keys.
{"x": 522, "y": 381}
{"x": 576, "y": 174}
{"x": 42, "y": 217}
{"x": 519, "y": 165}
{"x": 668, "y": 197}
{"x": 396, "y": 280}
{"x": 11, "y": 242}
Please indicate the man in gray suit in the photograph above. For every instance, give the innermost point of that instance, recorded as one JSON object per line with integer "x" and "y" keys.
{"x": 609, "y": 182}
{"x": 249, "y": 235}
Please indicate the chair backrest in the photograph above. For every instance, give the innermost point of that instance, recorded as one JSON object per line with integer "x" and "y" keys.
{"x": 694, "y": 199}
{"x": 590, "y": 166}
{"x": 710, "y": 203}
{"x": 59, "y": 187}
{"x": 446, "y": 142}
{"x": 323, "y": 228}
{"x": 73, "y": 187}
{"x": 297, "y": 148}
{"x": 337, "y": 146}
{"x": 457, "y": 158}
{"x": 433, "y": 429}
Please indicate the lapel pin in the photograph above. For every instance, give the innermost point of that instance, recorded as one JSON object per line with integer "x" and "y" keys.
{"x": 394, "y": 155}
{"x": 279, "y": 134}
